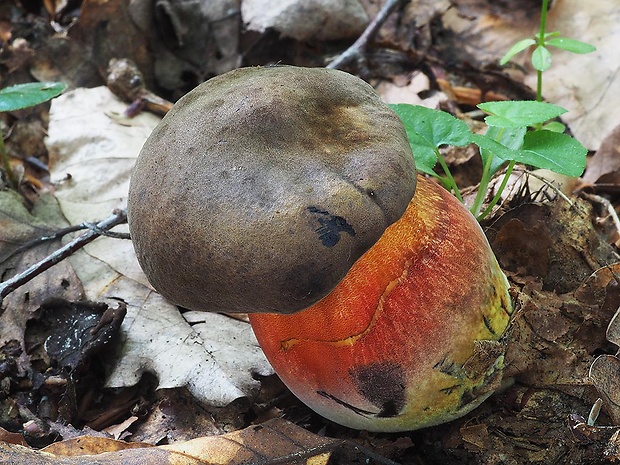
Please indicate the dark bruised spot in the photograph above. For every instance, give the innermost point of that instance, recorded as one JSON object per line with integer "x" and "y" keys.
{"x": 450, "y": 389}
{"x": 330, "y": 227}
{"x": 489, "y": 326}
{"x": 383, "y": 384}
{"x": 353, "y": 408}
{"x": 448, "y": 367}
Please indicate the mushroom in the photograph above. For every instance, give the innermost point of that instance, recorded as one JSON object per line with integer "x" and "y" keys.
{"x": 261, "y": 187}
{"x": 286, "y": 193}
{"x": 408, "y": 338}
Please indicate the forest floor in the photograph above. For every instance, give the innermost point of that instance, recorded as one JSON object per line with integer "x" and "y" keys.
{"x": 557, "y": 240}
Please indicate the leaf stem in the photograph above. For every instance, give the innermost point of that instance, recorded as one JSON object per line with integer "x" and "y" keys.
{"x": 498, "y": 195}
{"x": 541, "y": 43}
{"x": 482, "y": 187}
{"x": 451, "y": 182}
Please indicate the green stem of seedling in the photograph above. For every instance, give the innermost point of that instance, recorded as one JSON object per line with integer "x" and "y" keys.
{"x": 541, "y": 43}
{"x": 451, "y": 182}
{"x": 498, "y": 195}
{"x": 5, "y": 163}
{"x": 482, "y": 188}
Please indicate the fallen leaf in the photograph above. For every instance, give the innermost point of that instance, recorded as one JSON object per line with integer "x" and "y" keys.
{"x": 302, "y": 20}
{"x": 92, "y": 158}
{"x": 606, "y": 160}
{"x": 605, "y": 375}
{"x": 276, "y": 441}
{"x": 20, "y": 228}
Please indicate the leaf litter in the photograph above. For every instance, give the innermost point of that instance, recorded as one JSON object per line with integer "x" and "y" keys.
{"x": 556, "y": 254}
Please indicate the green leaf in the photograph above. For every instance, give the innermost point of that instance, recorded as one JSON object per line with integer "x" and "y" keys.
{"x": 555, "y": 126}
{"x": 427, "y": 130}
{"x": 541, "y": 58}
{"x": 519, "y": 113}
{"x": 557, "y": 152}
{"x": 501, "y": 143}
{"x": 30, "y": 94}
{"x": 515, "y": 49}
{"x": 571, "y": 45}
{"x": 549, "y": 34}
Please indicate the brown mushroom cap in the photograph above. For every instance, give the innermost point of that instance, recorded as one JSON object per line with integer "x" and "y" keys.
{"x": 261, "y": 187}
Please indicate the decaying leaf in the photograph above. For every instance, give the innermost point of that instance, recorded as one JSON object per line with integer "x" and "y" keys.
{"x": 322, "y": 20}
{"x": 276, "y": 441}
{"x": 604, "y": 166}
{"x": 567, "y": 248}
{"x": 92, "y": 160}
{"x": 605, "y": 375}
{"x": 20, "y": 228}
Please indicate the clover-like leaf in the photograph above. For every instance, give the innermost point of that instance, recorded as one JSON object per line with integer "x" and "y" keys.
{"x": 428, "y": 129}
{"x": 519, "y": 113}
{"x": 553, "y": 151}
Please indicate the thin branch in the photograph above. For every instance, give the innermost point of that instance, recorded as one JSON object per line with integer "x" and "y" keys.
{"x": 356, "y": 50}
{"x": 101, "y": 228}
{"x": 52, "y": 236}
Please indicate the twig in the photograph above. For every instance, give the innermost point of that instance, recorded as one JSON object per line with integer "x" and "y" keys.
{"x": 61, "y": 233}
{"x": 8, "y": 286}
{"x": 359, "y": 46}
{"x": 608, "y": 206}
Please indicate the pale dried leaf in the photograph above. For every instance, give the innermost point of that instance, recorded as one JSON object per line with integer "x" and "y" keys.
{"x": 89, "y": 141}
{"x": 409, "y": 93}
{"x": 606, "y": 160}
{"x": 276, "y": 441}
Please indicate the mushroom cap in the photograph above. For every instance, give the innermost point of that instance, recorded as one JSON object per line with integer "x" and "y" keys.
{"x": 262, "y": 186}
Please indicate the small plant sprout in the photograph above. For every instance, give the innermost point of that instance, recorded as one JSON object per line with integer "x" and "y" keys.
{"x": 541, "y": 56}
{"x": 507, "y": 140}
{"x": 22, "y": 96}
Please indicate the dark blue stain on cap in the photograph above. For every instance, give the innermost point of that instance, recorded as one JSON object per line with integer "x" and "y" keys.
{"x": 330, "y": 227}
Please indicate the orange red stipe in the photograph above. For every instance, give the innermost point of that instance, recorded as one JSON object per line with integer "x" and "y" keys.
{"x": 408, "y": 338}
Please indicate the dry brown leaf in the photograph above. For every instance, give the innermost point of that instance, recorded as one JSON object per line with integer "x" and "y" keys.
{"x": 12, "y": 438}
{"x": 276, "y": 441}
{"x": 20, "y": 226}
{"x": 606, "y": 160}
{"x": 605, "y": 375}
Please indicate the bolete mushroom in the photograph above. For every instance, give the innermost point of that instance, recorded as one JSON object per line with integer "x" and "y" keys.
{"x": 408, "y": 337}
{"x": 280, "y": 190}
{"x": 261, "y": 187}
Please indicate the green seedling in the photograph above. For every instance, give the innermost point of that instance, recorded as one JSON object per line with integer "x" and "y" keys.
{"x": 22, "y": 96}
{"x": 507, "y": 140}
{"x": 541, "y": 56}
